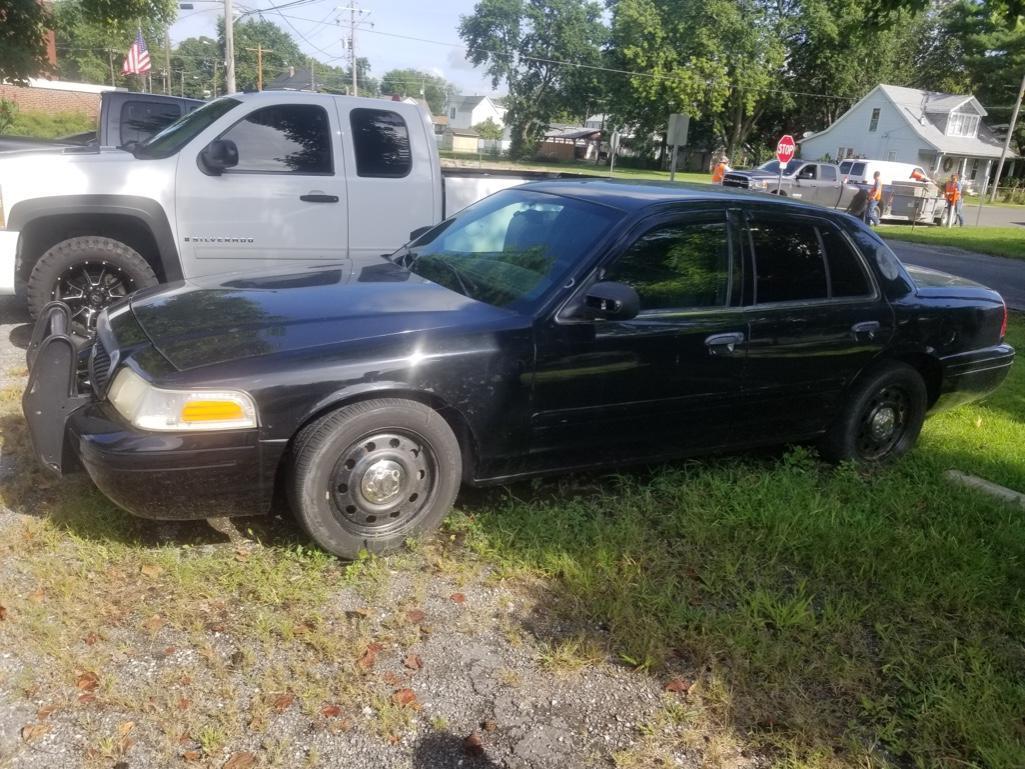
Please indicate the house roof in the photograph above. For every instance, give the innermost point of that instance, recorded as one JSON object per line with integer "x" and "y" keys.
{"x": 570, "y": 132}
{"x": 917, "y": 107}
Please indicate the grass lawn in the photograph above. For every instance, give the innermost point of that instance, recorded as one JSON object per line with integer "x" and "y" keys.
{"x": 826, "y": 618}
{"x": 998, "y": 241}
{"x": 588, "y": 169}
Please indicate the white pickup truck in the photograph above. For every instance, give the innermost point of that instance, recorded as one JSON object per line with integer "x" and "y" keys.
{"x": 244, "y": 182}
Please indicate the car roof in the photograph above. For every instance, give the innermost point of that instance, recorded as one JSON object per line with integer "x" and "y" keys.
{"x": 629, "y": 195}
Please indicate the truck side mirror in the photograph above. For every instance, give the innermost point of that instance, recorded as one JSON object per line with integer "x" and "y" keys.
{"x": 218, "y": 155}
{"x": 609, "y": 300}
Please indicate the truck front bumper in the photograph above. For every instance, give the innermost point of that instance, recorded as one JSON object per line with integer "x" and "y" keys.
{"x": 8, "y": 261}
{"x": 166, "y": 476}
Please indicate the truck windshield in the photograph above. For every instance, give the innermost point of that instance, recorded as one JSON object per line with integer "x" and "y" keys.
{"x": 184, "y": 129}
{"x": 773, "y": 167}
{"x": 512, "y": 249}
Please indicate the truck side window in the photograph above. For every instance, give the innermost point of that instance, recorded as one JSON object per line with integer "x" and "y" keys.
{"x": 284, "y": 139}
{"x": 828, "y": 173}
{"x": 677, "y": 266}
{"x": 846, "y": 272}
{"x": 141, "y": 119}
{"x": 381, "y": 140}
{"x": 788, "y": 262}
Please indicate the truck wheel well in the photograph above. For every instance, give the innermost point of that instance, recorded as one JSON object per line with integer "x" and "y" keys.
{"x": 41, "y": 234}
{"x": 455, "y": 419}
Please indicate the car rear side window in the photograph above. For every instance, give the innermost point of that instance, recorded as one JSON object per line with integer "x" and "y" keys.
{"x": 846, "y": 271}
{"x": 788, "y": 262}
{"x": 677, "y": 266}
{"x": 381, "y": 140}
{"x": 285, "y": 138}
{"x": 858, "y": 169}
{"x": 828, "y": 173}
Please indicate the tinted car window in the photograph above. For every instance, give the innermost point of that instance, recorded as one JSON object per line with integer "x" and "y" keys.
{"x": 858, "y": 169}
{"x": 677, "y": 266}
{"x": 185, "y": 129}
{"x": 846, "y": 273}
{"x": 510, "y": 249}
{"x": 828, "y": 173}
{"x": 845, "y": 166}
{"x": 141, "y": 119}
{"x": 808, "y": 172}
{"x": 788, "y": 262}
{"x": 285, "y": 138}
{"x": 381, "y": 140}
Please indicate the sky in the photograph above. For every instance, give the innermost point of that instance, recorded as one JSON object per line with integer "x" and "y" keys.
{"x": 319, "y": 28}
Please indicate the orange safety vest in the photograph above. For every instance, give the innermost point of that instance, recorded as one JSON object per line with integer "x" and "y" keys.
{"x": 718, "y": 173}
{"x": 952, "y": 193}
{"x": 876, "y": 193}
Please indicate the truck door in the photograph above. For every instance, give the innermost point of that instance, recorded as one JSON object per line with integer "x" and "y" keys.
{"x": 830, "y": 187}
{"x": 284, "y": 201}
{"x": 806, "y": 184}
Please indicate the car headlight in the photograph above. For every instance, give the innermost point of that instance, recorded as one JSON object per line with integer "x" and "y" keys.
{"x": 757, "y": 184}
{"x": 151, "y": 408}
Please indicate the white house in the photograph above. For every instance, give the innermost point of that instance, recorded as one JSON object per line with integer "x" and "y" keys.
{"x": 468, "y": 111}
{"x": 939, "y": 131}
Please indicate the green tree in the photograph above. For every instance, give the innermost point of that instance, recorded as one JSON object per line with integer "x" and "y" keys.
{"x": 23, "y": 26}
{"x": 417, "y": 83}
{"x": 198, "y": 72}
{"x": 488, "y": 129}
{"x": 527, "y": 44}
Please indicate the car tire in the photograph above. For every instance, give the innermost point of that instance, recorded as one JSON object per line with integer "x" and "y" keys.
{"x": 102, "y": 270}
{"x": 373, "y": 474}
{"x": 881, "y": 418}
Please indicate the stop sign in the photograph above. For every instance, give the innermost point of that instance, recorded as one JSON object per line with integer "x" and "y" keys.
{"x": 785, "y": 149}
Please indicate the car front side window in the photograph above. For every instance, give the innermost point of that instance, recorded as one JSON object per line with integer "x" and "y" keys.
{"x": 677, "y": 266}
{"x": 287, "y": 138}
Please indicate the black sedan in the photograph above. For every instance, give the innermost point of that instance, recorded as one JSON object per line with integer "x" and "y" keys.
{"x": 556, "y": 326}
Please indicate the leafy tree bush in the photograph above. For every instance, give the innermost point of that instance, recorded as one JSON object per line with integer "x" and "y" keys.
{"x": 49, "y": 125}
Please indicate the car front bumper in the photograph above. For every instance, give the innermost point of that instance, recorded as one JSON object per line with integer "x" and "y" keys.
{"x": 166, "y": 476}
{"x": 973, "y": 375}
{"x": 8, "y": 261}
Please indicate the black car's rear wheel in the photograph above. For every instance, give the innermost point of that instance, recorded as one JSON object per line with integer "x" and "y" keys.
{"x": 881, "y": 418}
{"x": 373, "y": 474}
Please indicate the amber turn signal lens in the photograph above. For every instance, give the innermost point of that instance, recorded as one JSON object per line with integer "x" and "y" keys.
{"x": 211, "y": 411}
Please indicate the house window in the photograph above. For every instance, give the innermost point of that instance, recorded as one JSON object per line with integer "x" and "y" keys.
{"x": 891, "y": 156}
{"x": 962, "y": 124}
{"x": 452, "y": 113}
{"x": 873, "y": 124}
{"x": 841, "y": 154}
{"x": 975, "y": 169}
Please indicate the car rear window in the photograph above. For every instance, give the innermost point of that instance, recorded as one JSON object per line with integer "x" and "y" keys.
{"x": 858, "y": 169}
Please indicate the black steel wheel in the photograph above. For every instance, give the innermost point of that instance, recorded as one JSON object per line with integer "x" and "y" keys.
{"x": 373, "y": 474}
{"x": 881, "y": 418}
{"x": 88, "y": 274}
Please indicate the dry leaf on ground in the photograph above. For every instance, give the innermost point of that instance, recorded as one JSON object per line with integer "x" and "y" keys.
{"x": 413, "y": 661}
{"x": 243, "y": 760}
{"x": 369, "y": 657}
{"x": 31, "y": 732}
{"x": 87, "y": 681}
{"x": 458, "y": 597}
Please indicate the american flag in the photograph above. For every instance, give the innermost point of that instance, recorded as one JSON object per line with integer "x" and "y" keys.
{"x": 137, "y": 60}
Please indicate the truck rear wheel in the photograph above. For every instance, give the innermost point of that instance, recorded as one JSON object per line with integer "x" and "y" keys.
{"x": 87, "y": 273}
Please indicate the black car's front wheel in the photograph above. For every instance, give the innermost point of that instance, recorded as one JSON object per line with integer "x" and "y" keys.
{"x": 373, "y": 474}
{"x": 881, "y": 418}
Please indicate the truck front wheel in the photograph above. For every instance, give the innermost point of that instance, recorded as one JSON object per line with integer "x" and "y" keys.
{"x": 87, "y": 273}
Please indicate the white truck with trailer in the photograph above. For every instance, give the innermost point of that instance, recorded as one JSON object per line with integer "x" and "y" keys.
{"x": 246, "y": 181}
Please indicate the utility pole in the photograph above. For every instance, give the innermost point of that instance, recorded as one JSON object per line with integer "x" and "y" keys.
{"x": 183, "y": 83}
{"x": 356, "y": 16}
{"x": 110, "y": 57}
{"x": 229, "y": 48}
{"x": 215, "y": 78}
{"x": 1007, "y": 141}
{"x": 260, "y": 51}
{"x": 167, "y": 61}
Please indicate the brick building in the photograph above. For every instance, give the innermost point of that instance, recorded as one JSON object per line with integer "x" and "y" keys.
{"x": 55, "y": 96}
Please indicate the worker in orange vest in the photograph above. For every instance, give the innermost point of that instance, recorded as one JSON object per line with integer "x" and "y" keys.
{"x": 875, "y": 199}
{"x": 952, "y": 192}
{"x": 720, "y": 170}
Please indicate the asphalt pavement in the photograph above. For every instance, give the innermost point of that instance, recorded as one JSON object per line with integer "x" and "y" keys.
{"x": 994, "y": 216}
{"x": 1005, "y": 275}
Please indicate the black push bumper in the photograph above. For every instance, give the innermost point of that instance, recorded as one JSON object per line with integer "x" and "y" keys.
{"x": 167, "y": 476}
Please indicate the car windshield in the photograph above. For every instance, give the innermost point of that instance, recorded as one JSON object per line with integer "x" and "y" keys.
{"x": 512, "y": 249}
{"x": 772, "y": 167}
{"x": 184, "y": 129}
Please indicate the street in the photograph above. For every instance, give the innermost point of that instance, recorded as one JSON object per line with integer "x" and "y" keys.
{"x": 994, "y": 216}
{"x": 1005, "y": 275}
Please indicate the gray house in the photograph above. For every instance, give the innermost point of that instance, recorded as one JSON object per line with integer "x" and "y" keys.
{"x": 941, "y": 132}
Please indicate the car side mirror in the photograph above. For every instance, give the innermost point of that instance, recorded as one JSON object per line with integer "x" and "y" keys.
{"x": 609, "y": 300}
{"x": 418, "y": 232}
{"x": 217, "y": 156}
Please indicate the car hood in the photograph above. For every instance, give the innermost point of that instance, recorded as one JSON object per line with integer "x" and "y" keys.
{"x": 203, "y": 322}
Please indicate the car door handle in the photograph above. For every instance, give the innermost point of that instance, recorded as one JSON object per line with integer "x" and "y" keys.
{"x": 867, "y": 328}
{"x": 723, "y": 344}
{"x": 317, "y": 197}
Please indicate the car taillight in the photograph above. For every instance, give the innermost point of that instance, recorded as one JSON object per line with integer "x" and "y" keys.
{"x": 1003, "y": 325}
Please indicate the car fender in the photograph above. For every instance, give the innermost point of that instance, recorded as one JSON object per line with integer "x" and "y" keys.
{"x": 145, "y": 210}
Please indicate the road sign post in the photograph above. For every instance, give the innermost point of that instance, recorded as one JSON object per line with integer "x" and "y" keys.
{"x": 676, "y": 137}
{"x": 786, "y": 148}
